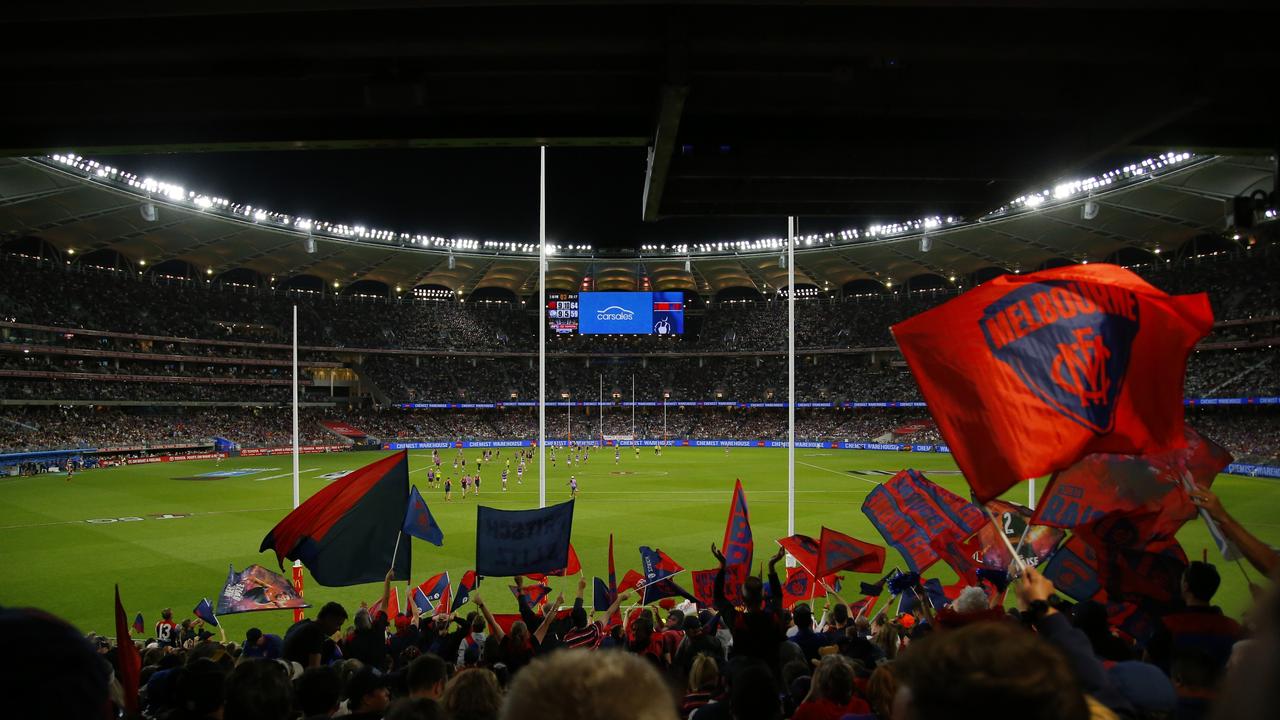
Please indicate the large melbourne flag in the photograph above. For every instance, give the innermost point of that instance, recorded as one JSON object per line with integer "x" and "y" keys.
{"x": 519, "y": 542}
{"x": 346, "y": 533}
{"x": 1026, "y": 373}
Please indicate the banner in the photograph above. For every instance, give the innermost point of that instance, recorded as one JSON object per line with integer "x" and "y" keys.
{"x": 1038, "y": 542}
{"x": 1083, "y": 358}
{"x": 518, "y": 542}
{"x": 738, "y": 544}
{"x": 909, "y": 511}
{"x": 257, "y": 588}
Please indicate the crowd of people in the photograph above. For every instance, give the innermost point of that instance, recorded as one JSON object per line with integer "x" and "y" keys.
{"x": 744, "y": 653}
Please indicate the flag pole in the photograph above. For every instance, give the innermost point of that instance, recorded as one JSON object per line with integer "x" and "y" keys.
{"x": 633, "y": 407}
{"x": 297, "y": 564}
{"x": 1017, "y": 559}
{"x": 396, "y": 550}
{"x": 600, "y": 409}
{"x": 542, "y": 326}
{"x": 791, "y": 376}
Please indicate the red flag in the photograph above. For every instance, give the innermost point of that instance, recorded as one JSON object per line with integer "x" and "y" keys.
{"x": 535, "y": 594}
{"x": 613, "y": 576}
{"x": 803, "y": 548}
{"x": 704, "y": 586}
{"x": 960, "y": 555}
{"x": 800, "y": 586}
{"x": 128, "y": 660}
{"x": 738, "y": 544}
{"x": 393, "y": 605}
{"x": 1102, "y": 484}
{"x": 863, "y": 607}
{"x": 909, "y": 510}
{"x": 1037, "y": 370}
{"x": 837, "y": 551}
{"x": 573, "y": 568}
{"x": 632, "y": 580}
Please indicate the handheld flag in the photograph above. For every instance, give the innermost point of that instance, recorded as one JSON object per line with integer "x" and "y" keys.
{"x": 346, "y": 534}
{"x": 470, "y": 581}
{"x": 960, "y": 555}
{"x": 1013, "y": 521}
{"x": 800, "y": 586}
{"x": 1101, "y": 484}
{"x": 204, "y": 611}
{"x": 519, "y": 542}
{"x": 393, "y": 605}
{"x": 432, "y": 596}
{"x": 257, "y": 588}
{"x": 631, "y": 580}
{"x": 534, "y": 594}
{"x": 138, "y": 625}
{"x": 128, "y": 660}
{"x": 664, "y": 588}
{"x": 738, "y": 544}
{"x": 613, "y": 576}
{"x": 419, "y": 522}
{"x": 909, "y": 511}
{"x": 803, "y": 548}
{"x": 657, "y": 564}
{"x": 931, "y": 589}
{"x": 603, "y": 598}
{"x": 573, "y": 568}
{"x": 1040, "y": 369}
{"x": 837, "y": 551}
{"x": 704, "y": 587}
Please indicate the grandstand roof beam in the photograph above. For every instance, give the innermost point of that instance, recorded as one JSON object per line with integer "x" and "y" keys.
{"x": 670, "y": 108}
{"x": 37, "y": 195}
{"x": 1155, "y": 215}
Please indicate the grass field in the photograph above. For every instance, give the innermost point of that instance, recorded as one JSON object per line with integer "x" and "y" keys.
{"x": 55, "y": 557}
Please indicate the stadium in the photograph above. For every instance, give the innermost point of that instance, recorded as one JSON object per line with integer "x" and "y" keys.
{"x": 658, "y": 262}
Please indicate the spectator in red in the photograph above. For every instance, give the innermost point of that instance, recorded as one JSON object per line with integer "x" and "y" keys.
{"x": 831, "y": 693}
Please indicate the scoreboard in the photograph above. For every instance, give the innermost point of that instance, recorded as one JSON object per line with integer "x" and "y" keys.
{"x": 617, "y": 313}
{"x": 562, "y": 312}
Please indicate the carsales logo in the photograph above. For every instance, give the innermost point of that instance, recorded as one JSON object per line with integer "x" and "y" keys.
{"x": 615, "y": 312}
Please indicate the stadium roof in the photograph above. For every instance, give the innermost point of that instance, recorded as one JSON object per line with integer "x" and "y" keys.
{"x": 90, "y": 212}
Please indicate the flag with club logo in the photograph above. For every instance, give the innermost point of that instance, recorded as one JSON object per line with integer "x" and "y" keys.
{"x": 347, "y": 533}
{"x": 837, "y": 551}
{"x": 1038, "y": 370}
{"x": 656, "y": 565}
{"x": 419, "y": 522}
{"x": 432, "y": 595}
{"x": 204, "y": 611}
{"x": 803, "y": 548}
{"x": 800, "y": 586}
{"x": 704, "y": 587}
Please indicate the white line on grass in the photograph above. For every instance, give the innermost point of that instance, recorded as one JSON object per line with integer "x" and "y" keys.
{"x": 288, "y": 474}
{"x": 837, "y": 472}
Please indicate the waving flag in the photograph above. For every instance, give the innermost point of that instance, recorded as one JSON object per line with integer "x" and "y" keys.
{"x": 864, "y": 607}
{"x": 534, "y": 594}
{"x": 393, "y": 605}
{"x": 738, "y": 543}
{"x": 1103, "y": 484}
{"x": 613, "y": 578}
{"x": 346, "y": 533}
{"x": 432, "y": 595}
{"x": 573, "y": 568}
{"x": 909, "y": 601}
{"x": 704, "y": 587}
{"x": 204, "y": 611}
{"x": 138, "y": 625}
{"x": 664, "y": 588}
{"x": 1083, "y": 358}
{"x": 257, "y": 588}
{"x": 962, "y": 556}
{"x": 470, "y": 581}
{"x": 631, "y": 580}
{"x": 800, "y": 586}
{"x": 656, "y": 564}
{"x": 419, "y": 522}
{"x": 909, "y": 511}
{"x": 803, "y": 548}
{"x": 128, "y": 660}
{"x": 1038, "y": 541}
{"x": 837, "y": 551}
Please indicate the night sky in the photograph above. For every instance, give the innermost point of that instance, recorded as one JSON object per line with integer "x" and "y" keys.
{"x": 593, "y": 194}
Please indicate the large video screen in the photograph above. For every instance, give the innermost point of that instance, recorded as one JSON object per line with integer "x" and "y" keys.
{"x": 562, "y": 312}
{"x": 631, "y": 313}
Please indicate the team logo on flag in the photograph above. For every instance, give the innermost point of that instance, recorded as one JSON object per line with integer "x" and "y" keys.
{"x": 1069, "y": 343}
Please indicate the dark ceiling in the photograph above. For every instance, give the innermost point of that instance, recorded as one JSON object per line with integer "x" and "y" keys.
{"x": 862, "y": 111}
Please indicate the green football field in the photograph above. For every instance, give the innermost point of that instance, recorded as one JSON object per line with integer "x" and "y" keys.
{"x": 63, "y": 544}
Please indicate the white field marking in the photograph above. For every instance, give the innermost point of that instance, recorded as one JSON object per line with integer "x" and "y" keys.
{"x": 836, "y": 472}
{"x": 288, "y": 474}
{"x": 195, "y": 514}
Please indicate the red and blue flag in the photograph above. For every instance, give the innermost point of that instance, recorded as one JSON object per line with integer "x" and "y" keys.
{"x": 469, "y": 582}
{"x": 138, "y": 625}
{"x": 803, "y": 548}
{"x": 392, "y": 608}
{"x": 656, "y": 565}
{"x": 534, "y": 594}
{"x": 128, "y": 659}
{"x": 419, "y": 522}
{"x": 432, "y": 596}
{"x": 204, "y": 611}
{"x": 738, "y": 544}
{"x": 909, "y": 511}
{"x": 837, "y": 551}
{"x": 573, "y": 568}
{"x": 346, "y": 533}
{"x": 1083, "y": 358}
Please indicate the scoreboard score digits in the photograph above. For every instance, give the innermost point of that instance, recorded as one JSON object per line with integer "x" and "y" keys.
{"x": 562, "y": 312}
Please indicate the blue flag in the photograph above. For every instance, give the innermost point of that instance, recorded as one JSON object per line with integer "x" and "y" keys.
{"x": 470, "y": 581}
{"x": 418, "y": 521}
{"x": 908, "y": 602}
{"x": 656, "y": 564}
{"x": 204, "y": 611}
{"x": 603, "y": 598}
{"x": 664, "y": 588}
{"x": 520, "y": 542}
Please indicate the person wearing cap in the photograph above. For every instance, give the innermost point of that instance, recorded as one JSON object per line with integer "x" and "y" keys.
{"x": 258, "y": 644}
{"x": 368, "y": 695}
